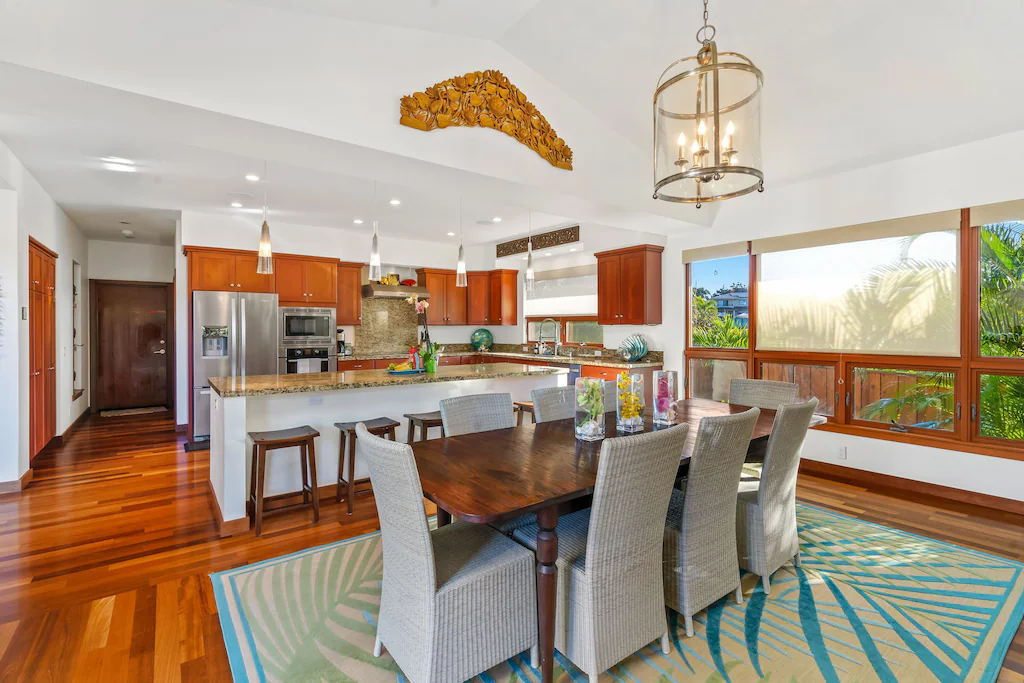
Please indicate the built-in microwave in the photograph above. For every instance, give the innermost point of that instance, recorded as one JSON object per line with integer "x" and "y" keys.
{"x": 306, "y": 326}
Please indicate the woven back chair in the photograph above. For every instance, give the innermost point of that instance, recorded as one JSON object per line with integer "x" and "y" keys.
{"x": 766, "y": 532}
{"x": 762, "y": 393}
{"x": 553, "y": 403}
{"x": 476, "y": 413}
{"x": 455, "y": 601}
{"x": 701, "y": 564}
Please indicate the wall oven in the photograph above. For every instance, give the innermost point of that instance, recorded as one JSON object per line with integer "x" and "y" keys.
{"x": 306, "y": 326}
{"x": 295, "y": 360}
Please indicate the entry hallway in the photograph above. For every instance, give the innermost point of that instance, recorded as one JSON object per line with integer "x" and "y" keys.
{"x": 104, "y": 559}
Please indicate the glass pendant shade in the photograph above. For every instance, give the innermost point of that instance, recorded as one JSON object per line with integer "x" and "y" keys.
{"x": 707, "y": 128}
{"x": 265, "y": 260}
{"x": 374, "y": 274}
{"x": 529, "y": 266}
{"x": 460, "y": 269}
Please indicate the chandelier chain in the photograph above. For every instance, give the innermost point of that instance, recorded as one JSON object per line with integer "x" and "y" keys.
{"x": 702, "y": 33}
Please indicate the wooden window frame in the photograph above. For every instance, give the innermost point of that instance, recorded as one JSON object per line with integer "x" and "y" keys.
{"x": 561, "y": 320}
{"x": 967, "y": 368}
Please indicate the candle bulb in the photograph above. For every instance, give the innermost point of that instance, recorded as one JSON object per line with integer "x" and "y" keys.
{"x": 682, "y": 143}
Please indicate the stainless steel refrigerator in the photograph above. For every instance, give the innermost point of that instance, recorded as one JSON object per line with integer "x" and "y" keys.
{"x": 235, "y": 334}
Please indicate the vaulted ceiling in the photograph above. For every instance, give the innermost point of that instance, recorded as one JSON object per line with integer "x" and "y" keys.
{"x": 200, "y": 89}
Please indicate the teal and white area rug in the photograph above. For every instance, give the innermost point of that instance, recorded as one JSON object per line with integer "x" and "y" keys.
{"x": 869, "y": 604}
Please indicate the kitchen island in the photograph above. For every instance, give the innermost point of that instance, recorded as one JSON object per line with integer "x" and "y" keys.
{"x": 241, "y": 405}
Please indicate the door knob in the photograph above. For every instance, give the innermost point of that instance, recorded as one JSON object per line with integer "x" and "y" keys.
{"x": 161, "y": 351}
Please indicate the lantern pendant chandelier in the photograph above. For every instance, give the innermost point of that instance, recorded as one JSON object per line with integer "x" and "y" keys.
{"x": 713, "y": 102}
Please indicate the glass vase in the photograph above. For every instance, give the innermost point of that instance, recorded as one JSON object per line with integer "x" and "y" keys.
{"x": 664, "y": 397}
{"x": 430, "y": 365}
{"x": 629, "y": 403}
{"x": 589, "y": 408}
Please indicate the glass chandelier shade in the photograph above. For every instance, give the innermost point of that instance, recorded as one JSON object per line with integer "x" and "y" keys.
{"x": 374, "y": 274}
{"x": 460, "y": 267}
{"x": 265, "y": 260}
{"x": 707, "y": 126}
{"x": 530, "y": 279}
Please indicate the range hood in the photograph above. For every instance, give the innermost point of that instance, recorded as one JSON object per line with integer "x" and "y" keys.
{"x": 375, "y": 290}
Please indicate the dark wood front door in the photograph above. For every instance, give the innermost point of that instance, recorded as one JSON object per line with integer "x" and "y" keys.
{"x": 131, "y": 345}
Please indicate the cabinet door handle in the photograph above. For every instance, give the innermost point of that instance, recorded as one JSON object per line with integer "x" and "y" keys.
{"x": 51, "y": 368}
{"x": 36, "y": 373}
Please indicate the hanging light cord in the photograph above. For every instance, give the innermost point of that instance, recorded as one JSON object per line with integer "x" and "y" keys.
{"x": 265, "y": 181}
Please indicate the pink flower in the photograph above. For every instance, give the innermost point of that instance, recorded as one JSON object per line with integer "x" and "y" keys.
{"x": 421, "y": 306}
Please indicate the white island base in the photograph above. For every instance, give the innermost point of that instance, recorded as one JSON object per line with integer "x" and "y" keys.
{"x": 242, "y": 406}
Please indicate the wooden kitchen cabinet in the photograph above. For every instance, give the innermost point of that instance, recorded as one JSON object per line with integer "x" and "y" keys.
{"x": 504, "y": 300}
{"x": 350, "y": 294}
{"x": 478, "y": 298}
{"x": 629, "y": 286}
{"x": 383, "y": 363}
{"x": 450, "y": 360}
{"x": 355, "y": 365}
{"x": 227, "y": 271}
{"x": 454, "y": 301}
{"x": 306, "y": 282}
{"x": 447, "y": 302}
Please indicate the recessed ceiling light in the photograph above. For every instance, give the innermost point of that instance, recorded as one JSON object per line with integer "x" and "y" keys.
{"x": 237, "y": 205}
{"x": 119, "y": 167}
{"x": 451, "y": 234}
{"x": 252, "y": 177}
{"x": 572, "y": 248}
{"x": 117, "y": 160}
{"x": 547, "y": 253}
{"x": 496, "y": 219}
{"x": 525, "y": 258}
{"x": 358, "y": 221}
{"x": 395, "y": 202}
{"x": 128, "y": 234}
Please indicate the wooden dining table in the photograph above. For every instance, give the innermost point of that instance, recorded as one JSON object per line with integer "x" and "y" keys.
{"x": 493, "y": 476}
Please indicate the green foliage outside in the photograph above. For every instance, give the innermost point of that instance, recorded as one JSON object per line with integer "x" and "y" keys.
{"x": 710, "y": 331}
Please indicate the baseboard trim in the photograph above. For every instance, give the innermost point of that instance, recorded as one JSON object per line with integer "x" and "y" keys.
{"x": 18, "y": 485}
{"x": 229, "y": 528}
{"x": 181, "y": 428}
{"x": 850, "y": 475}
{"x": 72, "y": 427}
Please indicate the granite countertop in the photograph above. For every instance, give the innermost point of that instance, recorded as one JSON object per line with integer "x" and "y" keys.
{"x": 268, "y": 385}
{"x": 610, "y": 362}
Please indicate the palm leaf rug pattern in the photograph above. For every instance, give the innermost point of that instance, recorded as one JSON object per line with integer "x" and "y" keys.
{"x": 869, "y": 603}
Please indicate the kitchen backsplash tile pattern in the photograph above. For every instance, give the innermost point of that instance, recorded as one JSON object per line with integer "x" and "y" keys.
{"x": 389, "y": 325}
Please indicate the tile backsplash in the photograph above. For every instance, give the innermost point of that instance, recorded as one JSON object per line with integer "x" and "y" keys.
{"x": 389, "y": 325}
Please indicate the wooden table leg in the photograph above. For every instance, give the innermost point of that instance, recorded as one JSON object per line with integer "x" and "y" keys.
{"x": 547, "y": 588}
{"x": 444, "y": 518}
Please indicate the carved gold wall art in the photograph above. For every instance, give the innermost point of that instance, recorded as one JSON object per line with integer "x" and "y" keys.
{"x": 489, "y": 100}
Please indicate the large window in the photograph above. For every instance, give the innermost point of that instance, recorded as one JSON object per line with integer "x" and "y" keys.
{"x": 895, "y": 295}
{"x": 719, "y": 310}
{"x": 909, "y": 330}
{"x": 579, "y": 330}
{"x": 1002, "y": 290}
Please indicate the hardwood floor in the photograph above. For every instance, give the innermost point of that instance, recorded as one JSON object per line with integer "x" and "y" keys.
{"x": 103, "y": 559}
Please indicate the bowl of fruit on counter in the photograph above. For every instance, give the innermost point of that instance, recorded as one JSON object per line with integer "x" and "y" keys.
{"x": 413, "y": 366}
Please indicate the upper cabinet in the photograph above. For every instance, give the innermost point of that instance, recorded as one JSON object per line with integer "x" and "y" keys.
{"x": 447, "y": 302}
{"x": 503, "y": 306}
{"x": 629, "y": 286}
{"x": 350, "y": 295}
{"x": 489, "y": 297}
{"x": 306, "y": 281}
{"x": 226, "y": 271}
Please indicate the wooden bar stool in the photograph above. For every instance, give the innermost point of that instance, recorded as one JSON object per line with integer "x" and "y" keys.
{"x": 383, "y": 427}
{"x": 297, "y": 437}
{"x": 522, "y": 407}
{"x": 424, "y": 421}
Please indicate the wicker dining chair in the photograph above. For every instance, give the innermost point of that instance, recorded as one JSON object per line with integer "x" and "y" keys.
{"x": 762, "y": 393}
{"x": 553, "y": 403}
{"x": 701, "y": 564}
{"x": 766, "y": 534}
{"x": 455, "y": 601}
{"x": 610, "y": 600}
{"x": 476, "y": 413}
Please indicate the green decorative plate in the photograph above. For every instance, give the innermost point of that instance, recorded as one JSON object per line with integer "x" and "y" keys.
{"x": 481, "y": 339}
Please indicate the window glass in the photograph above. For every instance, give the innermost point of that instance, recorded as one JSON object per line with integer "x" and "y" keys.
{"x": 1001, "y": 406}
{"x": 815, "y": 381}
{"x": 1002, "y": 290}
{"x": 897, "y": 295}
{"x": 719, "y": 310}
{"x": 584, "y": 332}
{"x": 710, "y": 378}
{"x": 913, "y": 398}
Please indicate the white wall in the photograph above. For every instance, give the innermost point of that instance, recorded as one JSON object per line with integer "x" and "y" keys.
{"x": 10, "y": 314}
{"x": 40, "y": 218}
{"x": 130, "y": 261}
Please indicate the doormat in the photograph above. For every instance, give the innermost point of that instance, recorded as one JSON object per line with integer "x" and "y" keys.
{"x": 133, "y": 411}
